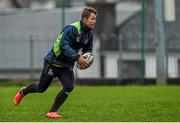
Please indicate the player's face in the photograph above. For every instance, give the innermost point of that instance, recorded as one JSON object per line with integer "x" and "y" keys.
{"x": 90, "y": 21}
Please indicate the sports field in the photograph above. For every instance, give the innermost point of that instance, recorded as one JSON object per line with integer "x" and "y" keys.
{"x": 96, "y": 103}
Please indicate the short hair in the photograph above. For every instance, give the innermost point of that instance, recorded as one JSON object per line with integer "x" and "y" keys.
{"x": 87, "y": 12}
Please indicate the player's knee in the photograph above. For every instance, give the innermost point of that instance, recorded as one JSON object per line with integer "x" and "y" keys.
{"x": 41, "y": 90}
{"x": 68, "y": 89}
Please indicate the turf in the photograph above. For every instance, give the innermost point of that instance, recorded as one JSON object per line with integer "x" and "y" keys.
{"x": 96, "y": 103}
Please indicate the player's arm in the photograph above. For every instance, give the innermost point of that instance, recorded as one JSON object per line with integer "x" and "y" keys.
{"x": 68, "y": 34}
{"x": 64, "y": 45}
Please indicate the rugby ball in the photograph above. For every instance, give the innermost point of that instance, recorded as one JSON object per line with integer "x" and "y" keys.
{"x": 89, "y": 58}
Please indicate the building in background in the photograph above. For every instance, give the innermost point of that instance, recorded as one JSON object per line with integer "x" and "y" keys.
{"x": 6, "y": 5}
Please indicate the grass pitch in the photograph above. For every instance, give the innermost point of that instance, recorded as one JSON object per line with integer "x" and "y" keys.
{"x": 96, "y": 103}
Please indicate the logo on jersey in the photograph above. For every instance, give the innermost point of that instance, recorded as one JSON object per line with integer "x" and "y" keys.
{"x": 78, "y": 37}
{"x": 86, "y": 41}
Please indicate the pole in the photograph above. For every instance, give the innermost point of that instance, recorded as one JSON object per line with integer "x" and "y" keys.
{"x": 120, "y": 57}
{"x": 161, "y": 44}
{"x": 31, "y": 58}
{"x": 63, "y": 14}
{"x": 142, "y": 39}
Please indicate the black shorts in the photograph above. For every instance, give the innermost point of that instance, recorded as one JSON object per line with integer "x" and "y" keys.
{"x": 65, "y": 75}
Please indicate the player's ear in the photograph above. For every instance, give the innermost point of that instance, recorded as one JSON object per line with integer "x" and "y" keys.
{"x": 85, "y": 19}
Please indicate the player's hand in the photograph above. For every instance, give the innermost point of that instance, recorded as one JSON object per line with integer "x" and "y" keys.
{"x": 82, "y": 61}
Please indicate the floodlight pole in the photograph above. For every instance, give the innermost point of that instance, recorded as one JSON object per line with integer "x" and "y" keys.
{"x": 161, "y": 57}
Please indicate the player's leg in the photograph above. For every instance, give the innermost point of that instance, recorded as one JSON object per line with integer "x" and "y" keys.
{"x": 45, "y": 80}
{"x": 66, "y": 77}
